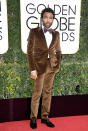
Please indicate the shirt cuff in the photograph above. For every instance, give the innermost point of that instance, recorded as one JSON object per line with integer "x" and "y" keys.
{"x": 33, "y": 71}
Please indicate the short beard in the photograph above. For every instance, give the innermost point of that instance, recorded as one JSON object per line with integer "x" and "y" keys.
{"x": 47, "y": 27}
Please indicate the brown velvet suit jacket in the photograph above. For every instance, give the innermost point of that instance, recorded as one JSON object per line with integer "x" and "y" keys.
{"x": 37, "y": 51}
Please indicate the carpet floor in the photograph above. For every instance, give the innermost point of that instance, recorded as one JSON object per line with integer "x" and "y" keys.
{"x": 70, "y": 123}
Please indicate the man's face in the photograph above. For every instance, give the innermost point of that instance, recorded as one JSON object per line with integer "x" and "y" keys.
{"x": 47, "y": 19}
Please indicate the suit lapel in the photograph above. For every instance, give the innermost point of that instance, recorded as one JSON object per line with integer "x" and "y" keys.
{"x": 53, "y": 39}
{"x": 42, "y": 37}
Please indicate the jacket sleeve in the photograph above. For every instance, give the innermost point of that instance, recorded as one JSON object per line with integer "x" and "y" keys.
{"x": 30, "y": 51}
{"x": 58, "y": 48}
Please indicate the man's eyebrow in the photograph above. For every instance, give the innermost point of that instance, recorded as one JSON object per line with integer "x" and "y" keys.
{"x": 48, "y": 16}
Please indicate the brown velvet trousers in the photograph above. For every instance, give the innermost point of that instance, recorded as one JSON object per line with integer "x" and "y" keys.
{"x": 42, "y": 85}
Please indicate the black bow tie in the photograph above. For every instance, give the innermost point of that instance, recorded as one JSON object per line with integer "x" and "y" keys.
{"x": 49, "y": 30}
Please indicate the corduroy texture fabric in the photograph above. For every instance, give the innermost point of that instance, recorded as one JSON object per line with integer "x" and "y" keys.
{"x": 37, "y": 51}
{"x": 42, "y": 85}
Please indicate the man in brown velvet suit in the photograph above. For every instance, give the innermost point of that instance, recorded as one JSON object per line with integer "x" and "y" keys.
{"x": 44, "y": 56}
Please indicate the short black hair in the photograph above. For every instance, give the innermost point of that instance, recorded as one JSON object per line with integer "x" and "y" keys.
{"x": 47, "y": 10}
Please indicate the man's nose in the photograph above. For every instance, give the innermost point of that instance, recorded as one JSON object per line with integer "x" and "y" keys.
{"x": 48, "y": 19}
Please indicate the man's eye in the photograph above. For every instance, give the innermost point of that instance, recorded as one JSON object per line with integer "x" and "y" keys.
{"x": 45, "y": 17}
{"x": 51, "y": 18}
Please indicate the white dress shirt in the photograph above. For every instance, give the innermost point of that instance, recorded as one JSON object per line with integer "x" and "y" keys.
{"x": 48, "y": 37}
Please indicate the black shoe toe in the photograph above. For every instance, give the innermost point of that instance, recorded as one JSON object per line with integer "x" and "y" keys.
{"x": 33, "y": 124}
{"x": 47, "y": 122}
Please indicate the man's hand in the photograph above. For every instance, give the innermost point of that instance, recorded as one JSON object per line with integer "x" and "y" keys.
{"x": 34, "y": 75}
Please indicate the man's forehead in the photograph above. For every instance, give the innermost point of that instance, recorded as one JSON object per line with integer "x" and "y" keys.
{"x": 48, "y": 13}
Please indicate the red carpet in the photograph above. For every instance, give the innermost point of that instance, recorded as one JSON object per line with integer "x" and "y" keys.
{"x": 72, "y": 123}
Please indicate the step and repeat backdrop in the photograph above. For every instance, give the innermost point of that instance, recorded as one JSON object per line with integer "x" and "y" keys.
{"x": 3, "y": 27}
{"x": 16, "y": 20}
{"x": 67, "y": 21}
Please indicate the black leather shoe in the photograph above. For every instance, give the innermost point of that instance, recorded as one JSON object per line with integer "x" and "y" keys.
{"x": 33, "y": 124}
{"x": 47, "y": 122}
